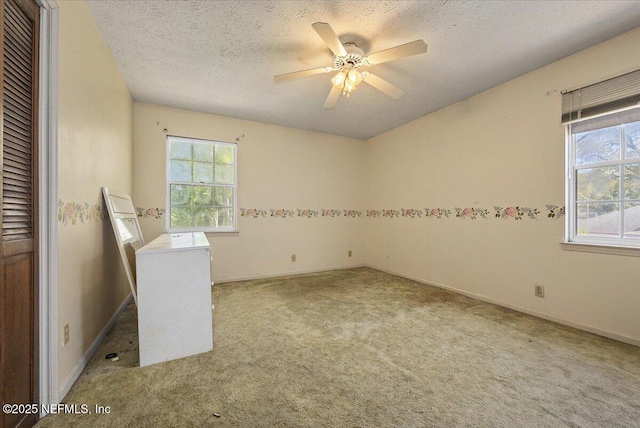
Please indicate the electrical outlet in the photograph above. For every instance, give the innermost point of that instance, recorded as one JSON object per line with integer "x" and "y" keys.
{"x": 293, "y": 257}
{"x": 539, "y": 290}
{"x": 349, "y": 253}
{"x": 66, "y": 334}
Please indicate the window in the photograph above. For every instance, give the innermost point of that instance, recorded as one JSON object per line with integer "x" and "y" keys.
{"x": 603, "y": 162}
{"x": 605, "y": 179}
{"x": 202, "y": 189}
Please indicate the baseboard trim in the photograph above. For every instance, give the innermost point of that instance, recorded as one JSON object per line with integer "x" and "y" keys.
{"x": 82, "y": 363}
{"x": 548, "y": 317}
{"x": 281, "y": 274}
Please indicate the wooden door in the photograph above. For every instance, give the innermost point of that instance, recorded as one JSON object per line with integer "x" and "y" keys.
{"x": 19, "y": 245}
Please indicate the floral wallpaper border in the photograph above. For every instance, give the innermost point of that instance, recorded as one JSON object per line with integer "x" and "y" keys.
{"x": 146, "y": 213}
{"x": 505, "y": 213}
{"x": 510, "y": 212}
{"x": 72, "y": 213}
{"x": 305, "y": 213}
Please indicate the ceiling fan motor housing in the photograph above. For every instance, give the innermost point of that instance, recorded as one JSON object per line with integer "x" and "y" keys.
{"x": 354, "y": 58}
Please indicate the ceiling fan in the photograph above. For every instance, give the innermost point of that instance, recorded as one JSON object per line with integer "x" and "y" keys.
{"x": 348, "y": 60}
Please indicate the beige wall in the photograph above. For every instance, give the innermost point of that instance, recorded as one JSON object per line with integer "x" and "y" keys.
{"x": 95, "y": 150}
{"x": 278, "y": 168}
{"x": 503, "y": 147}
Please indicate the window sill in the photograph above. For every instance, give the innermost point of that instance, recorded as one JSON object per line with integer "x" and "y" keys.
{"x": 206, "y": 231}
{"x": 225, "y": 233}
{"x": 617, "y": 250}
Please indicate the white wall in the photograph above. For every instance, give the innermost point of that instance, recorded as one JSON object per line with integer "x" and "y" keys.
{"x": 278, "y": 168}
{"x": 95, "y": 149}
{"x": 504, "y": 147}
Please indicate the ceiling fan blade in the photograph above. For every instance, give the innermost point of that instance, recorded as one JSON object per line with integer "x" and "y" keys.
{"x": 402, "y": 51}
{"x": 332, "y": 99}
{"x": 383, "y": 86}
{"x": 297, "y": 74}
{"x": 329, "y": 36}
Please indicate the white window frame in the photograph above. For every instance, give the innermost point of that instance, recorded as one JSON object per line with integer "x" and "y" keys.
{"x": 571, "y": 191}
{"x": 211, "y": 229}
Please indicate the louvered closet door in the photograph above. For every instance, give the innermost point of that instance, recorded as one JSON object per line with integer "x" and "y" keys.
{"x": 18, "y": 266}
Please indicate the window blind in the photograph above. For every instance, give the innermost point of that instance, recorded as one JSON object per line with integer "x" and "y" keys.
{"x": 618, "y": 93}
{"x": 614, "y": 119}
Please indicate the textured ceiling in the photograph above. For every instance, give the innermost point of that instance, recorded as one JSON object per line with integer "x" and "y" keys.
{"x": 220, "y": 56}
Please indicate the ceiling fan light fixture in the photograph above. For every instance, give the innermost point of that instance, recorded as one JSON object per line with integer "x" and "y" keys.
{"x": 354, "y": 77}
{"x": 339, "y": 79}
{"x": 347, "y": 81}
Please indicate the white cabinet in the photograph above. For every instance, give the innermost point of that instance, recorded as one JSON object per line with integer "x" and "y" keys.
{"x": 174, "y": 297}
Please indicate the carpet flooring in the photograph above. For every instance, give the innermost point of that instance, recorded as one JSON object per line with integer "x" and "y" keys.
{"x": 361, "y": 348}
